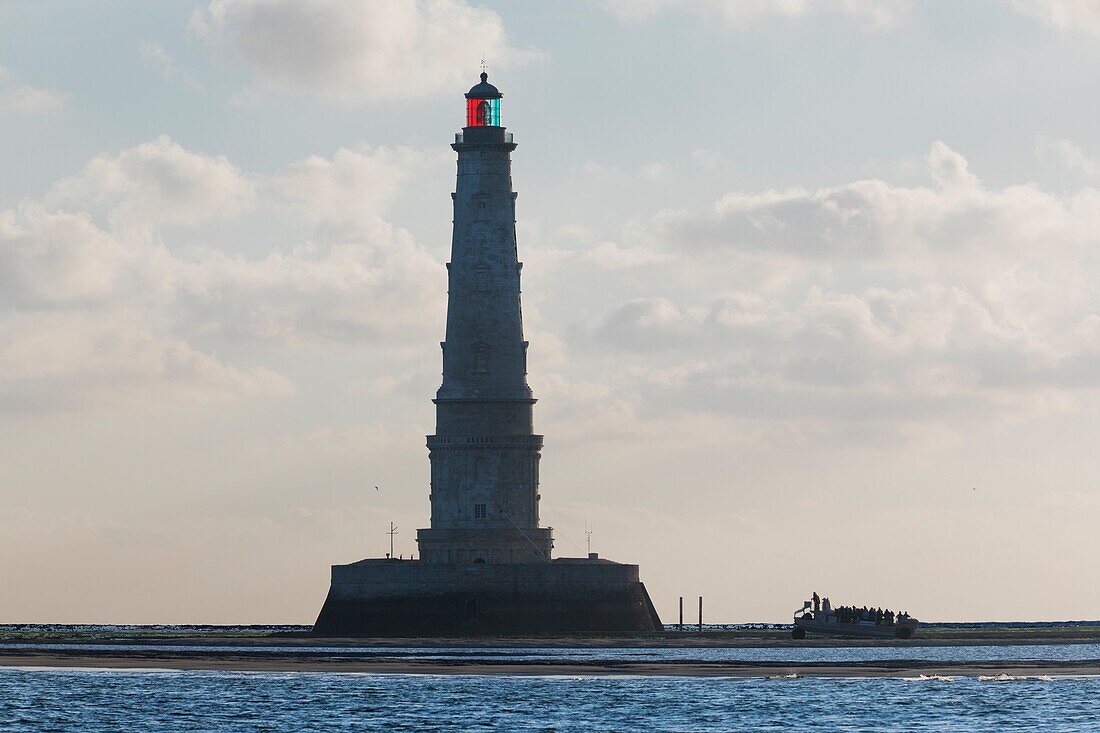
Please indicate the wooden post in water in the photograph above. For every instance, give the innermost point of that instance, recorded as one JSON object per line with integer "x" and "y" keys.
{"x": 700, "y": 613}
{"x": 681, "y": 613}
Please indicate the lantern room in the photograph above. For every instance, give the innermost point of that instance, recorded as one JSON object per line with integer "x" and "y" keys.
{"x": 483, "y": 104}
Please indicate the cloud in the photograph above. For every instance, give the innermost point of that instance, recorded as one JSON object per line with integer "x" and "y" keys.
{"x": 871, "y": 15}
{"x": 1073, "y": 15}
{"x": 1066, "y": 154}
{"x": 155, "y": 57}
{"x": 367, "y": 288}
{"x": 82, "y": 323}
{"x": 25, "y": 99}
{"x": 874, "y": 220}
{"x": 706, "y": 159}
{"x": 645, "y": 324}
{"x": 613, "y": 256}
{"x": 66, "y": 360}
{"x": 156, "y": 184}
{"x": 354, "y": 51}
{"x": 867, "y": 15}
{"x": 653, "y": 172}
{"x": 111, "y": 280}
{"x": 786, "y": 313}
{"x": 54, "y": 258}
{"x": 356, "y": 183}
{"x": 822, "y": 312}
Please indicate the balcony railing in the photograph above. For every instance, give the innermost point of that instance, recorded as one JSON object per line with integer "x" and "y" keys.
{"x": 441, "y": 440}
{"x": 460, "y": 138}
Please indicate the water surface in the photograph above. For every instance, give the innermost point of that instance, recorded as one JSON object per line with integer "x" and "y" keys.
{"x": 98, "y": 701}
{"x": 792, "y": 654}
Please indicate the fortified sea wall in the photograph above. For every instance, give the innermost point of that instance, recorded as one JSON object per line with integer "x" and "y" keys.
{"x": 413, "y": 598}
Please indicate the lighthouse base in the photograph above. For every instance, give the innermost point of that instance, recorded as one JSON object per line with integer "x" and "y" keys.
{"x": 413, "y": 598}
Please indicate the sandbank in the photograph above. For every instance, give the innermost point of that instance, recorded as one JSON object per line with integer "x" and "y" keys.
{"x": 214, "y": 659}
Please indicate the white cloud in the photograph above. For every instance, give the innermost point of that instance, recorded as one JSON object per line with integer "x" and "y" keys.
{"x": 652, "y": 172}
{"x": 356, "y": 184}
{"x": 26, "y": 99}
{"x": 110, "y": 280}
{"x": 1073, "y": 15}
{"x": 62, "y": 360}
{"x": 789, "y": 312}
{"x": 155, "y": 57}
{"x": 51, "y": 258}
{"x": 367, "y": 288}
{"x": 1066, "y": 154}
{"x": 706, "y": 159}
{"x": 613, "y": 256}
{"x": 867, "y": 14}
{"x": 872, "y": 219}
{"x": 657, "y": 172}
{"x": 155, "y": 184}
{"x": 350, "y": 50}
{"x": 83, "y": 325}
{"x": 825, "y": 311}
{"x": 949, "y": 168}
{"x": 646, "y": 324}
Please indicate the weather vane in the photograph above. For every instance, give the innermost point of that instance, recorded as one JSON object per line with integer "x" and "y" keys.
{"x": 484, "y": 66}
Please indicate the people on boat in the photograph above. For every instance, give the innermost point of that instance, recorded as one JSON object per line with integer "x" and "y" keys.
{"x": 855, "y": 614}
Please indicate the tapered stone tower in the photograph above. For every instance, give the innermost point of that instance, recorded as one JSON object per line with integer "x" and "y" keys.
{"x": 485, "y": 564}
{"x": 484, "y": 455}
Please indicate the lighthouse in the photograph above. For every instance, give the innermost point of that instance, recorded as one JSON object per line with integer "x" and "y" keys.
{"x": 485, "y": 564}
{"x": 484, "y": 454}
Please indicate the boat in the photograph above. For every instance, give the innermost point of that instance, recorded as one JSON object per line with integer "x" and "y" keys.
{"x": 813, "y": 618}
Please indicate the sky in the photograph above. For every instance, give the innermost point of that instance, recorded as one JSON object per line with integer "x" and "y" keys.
{"x": 812, "y": 289}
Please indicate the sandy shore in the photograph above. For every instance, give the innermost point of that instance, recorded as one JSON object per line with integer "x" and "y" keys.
{"x": 304, "y": 653}
{"x": 771, "y": 640}
{"x": 217, "y": 660}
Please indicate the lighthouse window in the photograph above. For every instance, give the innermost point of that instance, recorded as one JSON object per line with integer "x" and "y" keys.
{"x": 481, "y": 358}
{"x": 483, "y": 112}
{"x": 479, "y": 511}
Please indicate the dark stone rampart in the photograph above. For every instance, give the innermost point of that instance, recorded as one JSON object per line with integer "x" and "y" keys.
{"x": 411, "y": 598}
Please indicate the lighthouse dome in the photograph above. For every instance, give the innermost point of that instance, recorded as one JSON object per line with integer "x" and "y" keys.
{"x": 484, "y": 90}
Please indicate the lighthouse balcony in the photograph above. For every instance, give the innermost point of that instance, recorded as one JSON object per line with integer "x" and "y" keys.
{"x": 499, "y": 441}
{"x": 483, "y": 135}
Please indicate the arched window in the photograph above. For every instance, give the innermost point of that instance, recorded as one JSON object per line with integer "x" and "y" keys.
{"x": 481, "y": 358}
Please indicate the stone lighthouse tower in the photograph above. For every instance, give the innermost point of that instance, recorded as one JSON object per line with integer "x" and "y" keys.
{"x": 484, "y": 454}
{"x": 485, "y": 565}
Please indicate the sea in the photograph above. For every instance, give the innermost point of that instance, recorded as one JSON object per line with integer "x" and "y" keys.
{"x": 92, "y": 701}
{"x": 102, "y": 700}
